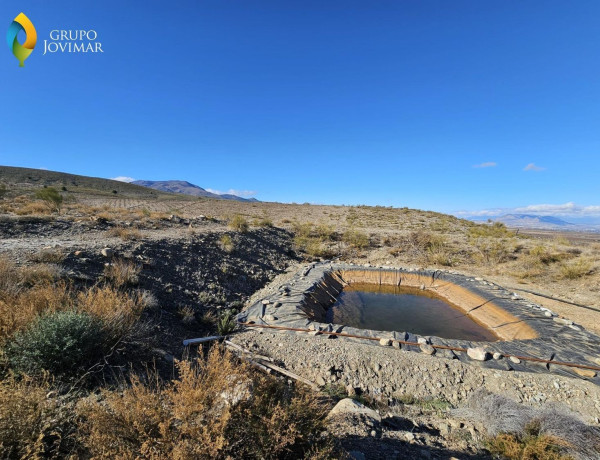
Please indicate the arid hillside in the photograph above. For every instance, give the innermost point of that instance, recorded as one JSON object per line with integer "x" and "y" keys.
{"x": 101, "y": 281}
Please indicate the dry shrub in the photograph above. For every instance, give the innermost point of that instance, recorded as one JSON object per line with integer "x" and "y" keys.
{"x": 239, "y": 224}
{"x": 217, "y": 409}
{"x": 117, "y": 311}
{"x": 356, "y": 239}
{"x": 19, "y": 311}
{"x": 495, "y": 230}
{"x": 520, "y": 432}
{"x": 125, "y": 234}
{"x": 575, "y": 270}
{"x": 227, "y": 243}
{"x": 528, "y": 447}
{"x": 187, "y": 314}
{"x": 33, "y": 208}
{"x": 492, "y": 251}
{"x": 48, "y": 256}
{"x": 30, "y": 420}
{"x": 122, "y": 273}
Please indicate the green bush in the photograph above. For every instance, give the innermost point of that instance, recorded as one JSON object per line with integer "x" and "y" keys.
{"x": 356, "y": 239}
{"x": 62, "y": 343}
{"x": 51, "y": 197}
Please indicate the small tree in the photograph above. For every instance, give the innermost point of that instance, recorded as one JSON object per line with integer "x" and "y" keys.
{"x": 51, "y": 197}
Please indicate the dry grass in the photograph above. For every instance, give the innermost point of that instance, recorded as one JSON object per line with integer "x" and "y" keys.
{"x": 239, "y": 223}
{"x": 122, "y": 273}
{"x": 118, "y": 311}
{"x": 227, "y": 243}
{"x": 519, "y": 432}
{"x": 126, "y": 234}
{"x": 575, "y": 270}
{"x": 217, "y": 409}
{"x": 49, "y": 256}
{"x": 30, "y": 420}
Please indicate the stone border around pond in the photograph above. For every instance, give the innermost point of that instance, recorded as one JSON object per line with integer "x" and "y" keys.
{"x": 524, "y": 328}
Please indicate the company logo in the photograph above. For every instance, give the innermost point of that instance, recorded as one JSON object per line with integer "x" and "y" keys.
{"x": 21, "y": 52}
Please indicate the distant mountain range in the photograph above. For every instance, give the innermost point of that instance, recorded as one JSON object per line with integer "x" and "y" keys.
{"x": 181, "y": 186}
{"x": 538, "y": 222}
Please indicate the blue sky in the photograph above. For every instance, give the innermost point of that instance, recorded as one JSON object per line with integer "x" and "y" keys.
{"x": 390, "y": 103}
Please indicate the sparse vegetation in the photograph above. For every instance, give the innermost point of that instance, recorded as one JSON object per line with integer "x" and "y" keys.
{"x": 227, "y": 243}
{"x": 226, "y": 323}
{"x": 356, "y": 239}
{"x": 51, "y": 197}
{"x": 126, "y": 234}
{"x": 218, "y": 408}
{"x": 575, "y": 270}
{"x": 62, "y": 343}
{"x": 239, "y": 224}
{"x": 122, "y": 273}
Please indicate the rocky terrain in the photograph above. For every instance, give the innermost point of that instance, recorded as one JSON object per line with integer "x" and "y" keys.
{"x": 198, "y": 263}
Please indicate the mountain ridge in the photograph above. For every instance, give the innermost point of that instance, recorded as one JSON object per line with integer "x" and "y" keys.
{"x": 187, "y": 188}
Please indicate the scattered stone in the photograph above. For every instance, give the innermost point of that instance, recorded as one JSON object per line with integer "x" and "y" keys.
{"x": 515, "y": 360}
{"x": 78, "y": 253}
{"x": 565, "y": 321}
{"x": 575, "y": 328}
{"x": 350, "y": 406}
{"x": 478, "y": 354}
{"x": 421, "y": 341}
{"x": 385, "y": 342}
{"x": 548, "y": 314}
{"x": 277, "y": 304}
{"x": 422, "y": 287}
{"x": 396, "y": 344}
{"x": 270, "y": 318}
{"x": 321, "y": 381}
{"x": 266, "y": 302}
{"x": 497, "y": 356}
{"x": 107, "y": 252}
{"x": 427, "y": 349}
{"x": 350, "y": 390}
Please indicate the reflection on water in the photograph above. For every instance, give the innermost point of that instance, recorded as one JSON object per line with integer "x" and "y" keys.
{"x": 394, "y": 308}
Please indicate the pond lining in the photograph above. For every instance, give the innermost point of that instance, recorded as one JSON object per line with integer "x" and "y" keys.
{"x": 524, "y": 328}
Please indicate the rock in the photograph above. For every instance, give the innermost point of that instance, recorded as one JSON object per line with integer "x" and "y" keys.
{"x": 421, "y": 340}
{"x": 385, "y": 342}
{"x": 548, "y": 314}
{"x": 575, "y": 328}
{"x": 422, "y": 287}
{"x": 107, "y": 252}
{"x": 270, "y": 318}
{"x": 588, "y": 373}
{"x": 277, "y": 304}
{"x": 266, "y": 302}
{"x": 564, "y": 321}
{"x": 396, "y": 344}
{"x": 356, "y": 455}
{"x": 350, "y": 390}
{"x": 78, "y": 253}
{"x": 497, "y": 356}
{"x": 409, "y": 436}
{"x": 478, "y": 354}
{"x": 350, "y": 406}
{"x": 597, "y": 361}
{"x": 515, "y": 360}
{"x": 321, "y": 381}
{"x": 427, "y": 349}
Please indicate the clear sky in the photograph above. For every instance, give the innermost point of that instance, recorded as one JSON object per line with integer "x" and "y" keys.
{"x": 343, "y": 102}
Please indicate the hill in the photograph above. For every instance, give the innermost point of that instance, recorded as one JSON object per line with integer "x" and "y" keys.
{"x": 186, "y": 188}
{"x": 27, "y": 178}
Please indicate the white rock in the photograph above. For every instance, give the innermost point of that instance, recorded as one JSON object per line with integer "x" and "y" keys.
{"x": 270, "y": 318}
{"x": 478, "y": 354}
{"x": 427, "y": 349}
{"x": 350, "y": 406}
{"x": 497, "y": 356}
{"x": 385, "y": 342}
{"x": 515, "y": 360}
{"x": 107, "y": 252}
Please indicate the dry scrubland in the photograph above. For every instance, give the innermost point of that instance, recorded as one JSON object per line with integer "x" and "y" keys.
{"x": 89, "y": 356}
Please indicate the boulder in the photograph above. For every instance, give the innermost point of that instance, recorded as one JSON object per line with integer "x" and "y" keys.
{"x": 350, "y": 406}
{"x": 478, "y": 354}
